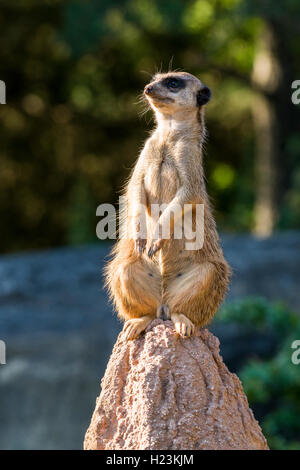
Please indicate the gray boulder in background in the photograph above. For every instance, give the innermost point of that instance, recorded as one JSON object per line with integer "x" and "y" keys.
{"x": 59, "y": 331}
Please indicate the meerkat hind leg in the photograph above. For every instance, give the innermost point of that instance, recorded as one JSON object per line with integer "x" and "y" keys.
{"x": 135, "y": 326}
{"x": 183, "y": 325}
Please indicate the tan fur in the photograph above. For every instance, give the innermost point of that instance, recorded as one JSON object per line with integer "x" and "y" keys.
{"x": 169, "y": 170}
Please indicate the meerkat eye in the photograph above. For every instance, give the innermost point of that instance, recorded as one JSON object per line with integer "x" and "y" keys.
{"x": 173, "y": 83}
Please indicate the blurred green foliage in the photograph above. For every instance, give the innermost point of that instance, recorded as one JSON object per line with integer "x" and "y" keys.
{"x": 71, "y": 131}
{"x": 272, "y": 385}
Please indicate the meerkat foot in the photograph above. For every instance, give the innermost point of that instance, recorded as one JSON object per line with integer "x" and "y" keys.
{"x": 183, "y": 326}
{"x": 135, "y": 326}
{"x": 163, "y": 312}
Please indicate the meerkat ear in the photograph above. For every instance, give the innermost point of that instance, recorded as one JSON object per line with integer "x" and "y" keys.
{"x": 203, "y": 96}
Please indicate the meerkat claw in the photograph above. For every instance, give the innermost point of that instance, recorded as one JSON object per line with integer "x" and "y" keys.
{"x": 151, "y": 252}
{"x": 155, "y": 246}
{"x": 183, "y": 326}
{"x": 131, "y": 331}
{"x": 135, "y": 326}
{"x": 140, "y": 245}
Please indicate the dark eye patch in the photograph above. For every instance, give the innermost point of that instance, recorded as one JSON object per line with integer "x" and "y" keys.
{"x": 174, "y": 83}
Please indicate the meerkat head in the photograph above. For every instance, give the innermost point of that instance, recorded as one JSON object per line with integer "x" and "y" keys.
{"x": 172, "y": 92}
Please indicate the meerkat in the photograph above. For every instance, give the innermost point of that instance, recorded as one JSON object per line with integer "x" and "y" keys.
{"x": 149, "y": 275}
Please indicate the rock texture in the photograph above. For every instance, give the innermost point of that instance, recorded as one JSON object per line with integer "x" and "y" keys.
{"x": 164, "y": 392}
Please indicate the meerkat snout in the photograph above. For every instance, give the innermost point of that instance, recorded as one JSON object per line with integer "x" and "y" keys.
{"x": 148, "y": 89}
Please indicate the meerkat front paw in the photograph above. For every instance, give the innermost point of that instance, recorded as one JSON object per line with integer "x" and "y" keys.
{"x": 134, "y": 327}
{"x": 183, "y": 326}
{"x": 155, "y": 246}
{"x": 140, "y": 245}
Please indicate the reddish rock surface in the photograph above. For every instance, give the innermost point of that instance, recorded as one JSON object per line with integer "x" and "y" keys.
{"x": 164, "y": 392}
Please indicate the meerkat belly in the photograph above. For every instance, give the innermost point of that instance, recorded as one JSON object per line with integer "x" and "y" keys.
{"x": 161, "y": 184}
{"x": 169, "y": 182}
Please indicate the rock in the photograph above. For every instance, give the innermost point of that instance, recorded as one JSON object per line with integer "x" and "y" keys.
{"x": 162, "y": 392}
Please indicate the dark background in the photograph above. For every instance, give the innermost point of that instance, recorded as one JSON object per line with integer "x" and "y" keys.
{"x": 71, "y": 129}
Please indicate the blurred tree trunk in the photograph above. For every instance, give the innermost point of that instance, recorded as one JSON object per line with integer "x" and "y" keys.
{"x": 265, "y": 77}
{"x": 271, "y": 117}
{"x": 266, "y": 153}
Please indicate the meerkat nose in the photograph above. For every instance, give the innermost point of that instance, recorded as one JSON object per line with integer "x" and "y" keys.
{"x": 148, "y": 89}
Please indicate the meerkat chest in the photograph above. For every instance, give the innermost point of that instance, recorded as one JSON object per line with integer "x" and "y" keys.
{"x": 161, "y": 180}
